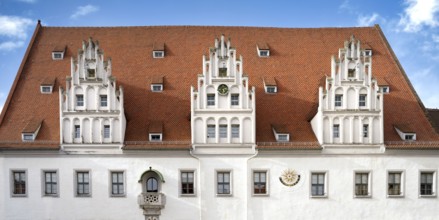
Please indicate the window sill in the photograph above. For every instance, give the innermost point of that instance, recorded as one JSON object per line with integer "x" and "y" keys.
{"x": 395, "y": 196}
{"x": 83, "y": 196}
{"x": 51, "y": 195}
{"x": 319, "y": 197}
{"x": 224, "y": 195}
{"x": 362, "y": 197}
{"x": 261, "y": 195}
{"x": 188, "y": 195}
{"x": 428, "y": 196}
{"x": 118, "y": 196}
{"x": 19, "y": 195}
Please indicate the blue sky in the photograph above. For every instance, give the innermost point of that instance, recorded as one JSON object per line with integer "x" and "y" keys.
{"x": 411, "y": 26}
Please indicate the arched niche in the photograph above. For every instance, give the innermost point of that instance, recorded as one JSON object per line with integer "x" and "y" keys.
{"x": 151, "y": 181}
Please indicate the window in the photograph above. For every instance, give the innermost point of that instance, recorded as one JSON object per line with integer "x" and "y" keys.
{"x": 264, "y": 53}
{"x": 210, "y": 131}
{"x": 367, "y": 53}
{"x": 210, "y": 99}
{"x": 385, "y": 89}
{"x": 235, "y": 131}
{"x": 50, "y": 183}
{"x": 409, "y": 137}
{"x": 260, "y": 182}
{"x": 222, "y": 71}
{"x": 223, "y": 182}
{"x": 427, "y": 183}
{"x": 223, "y": 131}
{"x": 270, "y": 89}
{"x": 28, "y": 137}
{"x": 106, "y": 131}
{"x": 336, "y": 131}
{"x": 158, "y": 54}
{"x": 338, "y": 100}
{"x": 117, "y": 183}
{"x": 91, "y": 73}
{"x": 19, "y": 183}
{"x": 57, "y": 55}
{"x": 152, "y": 185}
{"x": 362, "y": 99}
{"x": 351, "y": 73}
{"x": 283, "y": 137}
{"x": 362, "y": 184}
{"x": 155, "y": 137}
{"x": 365, "y": 130}
{"x": 156, "y": 87}
{"x": 394, "y": 180}
{"x": 187, "y": 183}
{"x": 318, "y": 188}
{"x": 46, "y": 89}
{"x": 83, "y": 183}
{"x": 104, "y": 102}
{"x": 77, "y": 131}
{"x": 235, "y": 99}
{"x": 79, "y": 100}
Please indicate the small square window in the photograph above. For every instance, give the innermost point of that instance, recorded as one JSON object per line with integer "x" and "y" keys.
{"x": 365, "y": 130}
{"x": 235, "y": 131}
{"x": 57, "y": 55}
{"x": 427, "y": 184}
{"x": 362, "y": 100}
{"x": 362, "y": 184}
{"x": 234, "y": 99}
{"x": 106, "y": 131}
{"x": 210, "y": 99}
{"x": 210, "y": 131}
{"x": 83, "y": 183}
{"x": 260, "y": 183}
{"x": 264, "y": 53}
{"x": 46, "y": 89}
{"x": 338, "y": 100}
{"x": 318, "y": 184}
{"x": 50, "y": 183}
{"x": 104, "y": 101}
{"x": 155, "y": 137}
{"x": 117, "y": 183}
{"x": 158, "y": 54}
{"x": 395, "y": 184}
{"x": 336, "y": 131}
{"x": 18, "y": 183}
{"x": 187, "y": 179}
{"x": 156, "y": 87}
{"x": 80, "y": 100}
{"x": 223, "y": 183}
{"x": 271, "y": 89}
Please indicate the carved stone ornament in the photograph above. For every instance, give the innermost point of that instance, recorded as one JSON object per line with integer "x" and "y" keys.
{"x": 289, "y": 177}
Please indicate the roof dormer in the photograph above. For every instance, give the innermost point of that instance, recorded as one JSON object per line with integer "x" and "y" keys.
{"x": 31, "y": 130}
{"x": 270, "y": 85}
{"x": 281, "y": 133}
{"x": 46, "y": 86}
{"x": 158, "y": 50}
{"x": 405, "y": 132}
{"x": 155, "y": 131}
{"x": 157, "y": 84}
{"x": 58, "y": 52}
{"x": 263, "y": 49}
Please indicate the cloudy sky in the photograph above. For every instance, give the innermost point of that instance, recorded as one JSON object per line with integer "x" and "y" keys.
{"x": 411, "y": 26}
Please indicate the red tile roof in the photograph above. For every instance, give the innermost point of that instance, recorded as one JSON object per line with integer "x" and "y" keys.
{"x": 300, "y": 58}
{"x": 270, "y": 81}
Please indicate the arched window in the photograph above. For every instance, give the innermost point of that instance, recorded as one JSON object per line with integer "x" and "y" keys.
{"x": 151, "y": 185}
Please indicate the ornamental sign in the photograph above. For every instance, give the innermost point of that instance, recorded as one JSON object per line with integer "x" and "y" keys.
{"x": 289, "y": 177}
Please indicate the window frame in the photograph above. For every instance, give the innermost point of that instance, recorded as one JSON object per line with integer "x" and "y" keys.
{"x": 105, "y": 132}
{"x": 76, "y": 189}
{"x": 269, "y": 88}
{"x": 402, "y": 183}
{"x": 155, "y": 54}
{"x": 325, "y": 183}
{"x": 434, "y": 184}
{"x": 101, "y": 101}
{"x": 334, "y": 131}
{"x": 12, "y": 183}
{"x": 43, "y": 183}
{"x": 210, "y": 102}
{"x": 233, "y": 129}
{"x": 110, "y": 185}
{"x": 234, "y": 99}
{"x": 54, "y": 53}
{"x": 156, "y": 87}
{"x": 42, "y": 87}
{"x": 78, "y": 101}
{"x": 223, "y": 130}
{"x": 279, "y": 135}
{"x": 338, "y": 103}
{"x": 77, "y": 133}
{"x": 267, "y": 182}
{"x": 365, "y": 131}
{"x": 369, "y": 183}
{"x": 25, "y": 135}
{"x": 151, "y": 135}
{"x": 263, "y": 53}
{"x": 230, "y": 183}
{"x": 362, "y": 103}
{"x": 180, "y": 183}
{"x": 208, "y": 134}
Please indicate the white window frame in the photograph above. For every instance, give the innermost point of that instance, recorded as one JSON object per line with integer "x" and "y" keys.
{"x": 402, "y": 184}
{"x": 210, "y": 102}
{"x": 158, "y": 54}
{"x": 325, "y": 187}
{"x": 101, "y": 101}
{"x": 365, "y": 132}
{"x": 24, "y": 135}
{"x": 180, "y": 182}
{"x": 267, "y": 88}
{"x": 75, "y": 184}
{"x": 109, "y": 132}
{"x": 54, "y": 53}
{"x": 234, "y": 102}
{"x": 154, "y": 134}
{"x": 387, "y": 89}
{"x": 407, "y": 135}
{"x": 221, "y": 130}
{"x": 230, "y": 183}
{"x": 340, "y": 101}
{"x": 110, "y": 183}
{"x": 369, "y": 183}
{"x": 156, "y": 87}
{"x": 434, "y": 185}
{"x": 367, "y": 53}
{"x": 43, "y": 183}
{"x": 77, "y": 101}
{"x": 267, "y": 182}
{"x": 235, "y": 134}
{"x": 77, "y": 135}
{"x": 338, "y": 131}
{"x": 263, "y": 53}
{"x": 12, "y": 178}
{"x": 44, "y": 92}
{"x": 279, "y": 135}
{"x": 207, "y": 131}
{"x": 364, "y": 102}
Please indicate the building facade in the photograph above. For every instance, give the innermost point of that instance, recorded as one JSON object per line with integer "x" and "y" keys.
{"x": 215, "y": 123}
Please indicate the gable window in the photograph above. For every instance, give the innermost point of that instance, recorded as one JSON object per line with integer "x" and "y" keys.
{"x": 77, "y": 131}
{"x": 394, "y": 184}
{"x": 187, "y": 183}
{"x": 260, "y": 182}
{"x": 104, "y": 101}
{"x": 223, "y": 183}
{"x": 338, "y": 100}
{"x": 427, "y": 183}
{"x": 152, "y": 185}
{"x": 351, "y": 73}
{"x": 271, "y": 89}
{"x": 106, "y": 131}
{"x": 336, "y": 131}
{"x": 156, "y": 87}
{"x": 362, "y": 184}
{"x": 155, "y": 137}
{"x": 79, "y": 100}
{"x": 50, "y": 183}
{"x": 91, "y": 73}
{"x": 210, "y": 131}
{"x": 235, "y": 131}
{"x": 234, "y": 99}
{"x": 46, "y": 89}
{"x": 19, "y": 183}
{"x": 117, "y": 183}
{"x": 210, "y": 99}
{"x": 222, "y": 71}
{"x": 367, "y": 53}
{"x": 223, "y": 131}
{"x": 83, "y": 183}
{"x": 362, "y": 102}
{"x": 365, "y": 130}
{"x": 158, "y": 54}
{"x": 318, "y": 184}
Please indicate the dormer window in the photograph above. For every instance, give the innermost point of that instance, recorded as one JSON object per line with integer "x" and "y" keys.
{"x": 46, "y": 89}
{"x": 405, "y": 132}
{"x": 158, "y": 50}
{"x": 155, "y": 137}
{"x": 156, "y": 87}
{"x": 46, "y": 86}
{"x": 28, "y": 137}
{"x": 409, "y": 137}
{"x": 264, "y": 53}
{"x": 156, "y": 131}
{"x": 263, "y": 50}
{"x": 385, "y": 89}
{"x": 157, "y": 84}
{"x": 159, "y": 54}
{"x": 270, "y": 89}
{"x": 31, "y": 130}
{"x": 58, "y": 53}
{"x": 367, "y": 53}
{"x": 270, "y": 85}
{"x": 281, "y": 133}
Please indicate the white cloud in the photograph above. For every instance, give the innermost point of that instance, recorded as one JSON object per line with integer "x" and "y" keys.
{"x": 11, "y": 45}
{"x": 367, "y": 20}
{"x": 419, "y": 13}
{"x": 84, "y": 10}
{"x": 13, "y": 26}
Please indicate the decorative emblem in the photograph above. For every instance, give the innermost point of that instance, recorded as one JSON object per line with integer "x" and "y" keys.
{"x": 223, "y": 89}
{"x": 289, "y": 177}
